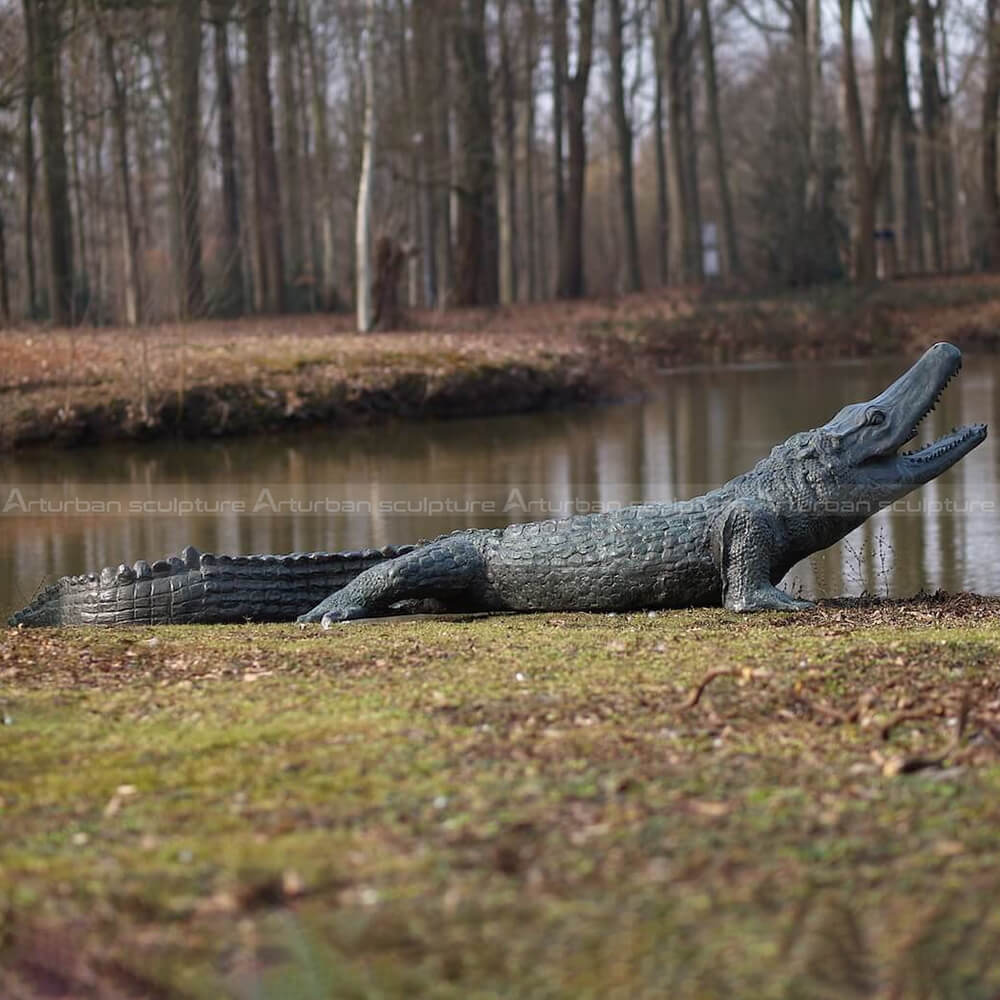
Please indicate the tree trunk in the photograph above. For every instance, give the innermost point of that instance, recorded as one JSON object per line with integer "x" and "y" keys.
{"x": 443, "y": 174}
{"x": 623, "y": 130}
{"x": 85, "y": 274}
{"x": 97, "y": 287}
{"x": 863, "y": 250}
{"x": 477, "y": 249}
{"x": 956, "y": 243}
{"x": 560, "y": 72}
{"x": 869, "y": 159}
{"x": 508, "y": 173}
{"x": 730, "y": 252}
{"x": 684, "y": 242}
{"x": 528, "y": 16}
{"x": 692, "y": 189}
{"x": 28, "y": 162}
{"x": 307, "y": 172}
{"x": 571, "y": 238}
{"x": 407, "y": 81}
{"x": 270, "y": 293}
{"x": 424, "y": 56}
{"x": 363, "y": 223}
{"x": 4, "y": 277}
{"x": 232, "y": 298}
{"x": 989, "y": 165}
{"x": 659, "y": 137}
{"x": 317, "y": 71}
{"x": 292, "y": 219}
{"x": 811, "y": 84}
{"x": 423, "y": 29}
{"x": 909, "y": 208}
{"x": 930, "y": 104}
{"x": 45, "y": 18}
{"x": 130, "y": 232}
{"x": 185, "y": 130}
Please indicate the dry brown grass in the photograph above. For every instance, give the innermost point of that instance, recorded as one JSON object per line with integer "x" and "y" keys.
{"x": 239, "y": 376}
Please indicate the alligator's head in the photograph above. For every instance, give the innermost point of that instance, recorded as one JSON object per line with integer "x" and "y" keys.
{"x": 863, "y": 442}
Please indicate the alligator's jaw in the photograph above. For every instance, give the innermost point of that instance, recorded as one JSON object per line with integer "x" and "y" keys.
{"x": 907, "y": 402}
{"x": 928, "y": 462}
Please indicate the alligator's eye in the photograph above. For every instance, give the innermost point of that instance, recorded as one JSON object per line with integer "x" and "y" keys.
{"x": 875, "y": 417}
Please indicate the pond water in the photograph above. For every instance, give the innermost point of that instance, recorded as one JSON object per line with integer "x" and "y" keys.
{"x": 67, "y": 512}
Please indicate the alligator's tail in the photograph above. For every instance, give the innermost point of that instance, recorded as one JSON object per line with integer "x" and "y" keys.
{"x": 201, "y": 588}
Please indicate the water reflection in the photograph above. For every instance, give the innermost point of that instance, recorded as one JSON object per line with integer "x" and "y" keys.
{"x": 342, "y": 489}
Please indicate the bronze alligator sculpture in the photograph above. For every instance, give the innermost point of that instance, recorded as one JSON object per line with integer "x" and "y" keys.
{"x": 731, "y": 546}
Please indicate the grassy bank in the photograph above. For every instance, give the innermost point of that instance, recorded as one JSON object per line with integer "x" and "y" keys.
{"x": 83, "y": 386}
{"x": 690, "y": 804}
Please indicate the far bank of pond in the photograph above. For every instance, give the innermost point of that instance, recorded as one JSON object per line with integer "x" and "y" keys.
{"x": 215, "y": 378}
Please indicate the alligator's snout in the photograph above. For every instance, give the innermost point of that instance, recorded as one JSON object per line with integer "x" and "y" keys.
{"x": 893, "y": 417}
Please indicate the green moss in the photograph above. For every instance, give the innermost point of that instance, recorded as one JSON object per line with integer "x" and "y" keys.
{"x": 527, "y": 806}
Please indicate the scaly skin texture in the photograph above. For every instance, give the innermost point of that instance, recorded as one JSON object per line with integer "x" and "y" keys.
{"x": 200, "y": 588}
{"x": 730, "y": 546}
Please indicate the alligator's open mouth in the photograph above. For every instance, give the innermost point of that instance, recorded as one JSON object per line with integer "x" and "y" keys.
{"x": 934, "y": 456}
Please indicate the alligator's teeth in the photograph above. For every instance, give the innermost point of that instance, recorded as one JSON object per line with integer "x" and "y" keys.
{"x": 142, "y": 569}
{"x": 190, "y": 556}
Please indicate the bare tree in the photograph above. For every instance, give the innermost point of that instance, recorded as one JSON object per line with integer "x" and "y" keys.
{"x": 869, "y": 157}
{"x": 560, "y": 72}
{"x": 685, "y": 263}
{"x": 185, "y": 62}
{"x": 45, "y": 19}
{"x": 530, "y": 257}
{"x": 270, "y": 288}
{"x": 571, "y": 237}
{"x": 477, "y": 237}
{"x": 363, "y": 226}
{"x": 906, "y": 189}
{"x": 931, "y": 113}
{"x": 730, "y": 252}
{"x": 231, "y": 294}
{"x": 28, "y": 159}
{"x": 291, "y": 189}
{"x": 507, "y": 208}
{"x": 130, "y": 230}
{"x": 324, "y": 166}
{"x": 623, "y": 129}
{"x": 4, "y": 275}
{"x": 990, "y": 109}
{"x": 407, "y": 79}
{"x": 659, "y": 138}
{"x": 427, "y": 153}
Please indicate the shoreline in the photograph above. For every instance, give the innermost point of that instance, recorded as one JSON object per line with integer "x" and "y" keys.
{"x": 64, "y": 388}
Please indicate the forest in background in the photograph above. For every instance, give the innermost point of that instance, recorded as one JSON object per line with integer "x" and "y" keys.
{"x": 192, "y": 158}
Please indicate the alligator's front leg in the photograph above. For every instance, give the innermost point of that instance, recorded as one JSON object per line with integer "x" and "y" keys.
{"x": 451, "y": 570}
{"x": 744, "y": 545}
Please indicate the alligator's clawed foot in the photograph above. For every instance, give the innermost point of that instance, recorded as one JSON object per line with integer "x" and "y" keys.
{"x": 768, "y": 599}
{"x": 351, "y": 614}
